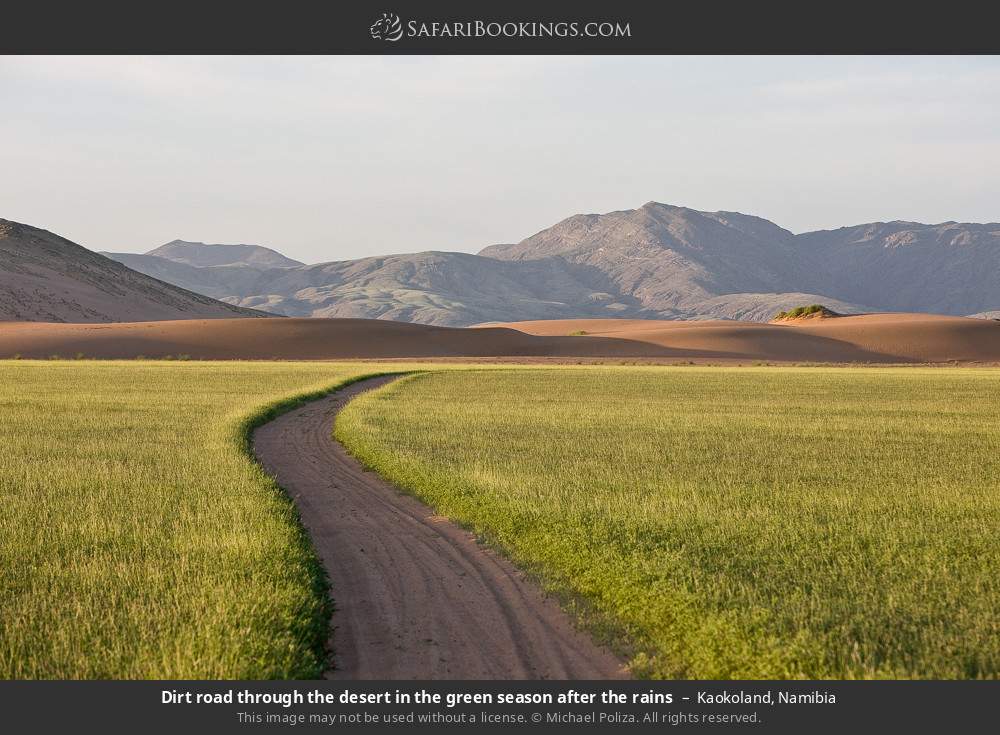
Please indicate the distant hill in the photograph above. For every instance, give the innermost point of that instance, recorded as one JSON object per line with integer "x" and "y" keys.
{"x": 656, "y": 262}
{"x": 219, "y": 281}
{"x": 948, "y": 268}
{"x": 680, "y": 263}
{"x": 45, "y": 277}
{"x": 205, "y": 255}
{"x": 444, "y": 289}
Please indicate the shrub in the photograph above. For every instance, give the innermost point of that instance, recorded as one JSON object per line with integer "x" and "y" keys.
{"x": 802, "y": 311}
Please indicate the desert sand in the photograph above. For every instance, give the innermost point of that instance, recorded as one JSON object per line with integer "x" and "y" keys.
{"x": 901, "y": 338}
{"x": 416, "y": 596}
{"x": 873, "y": 338}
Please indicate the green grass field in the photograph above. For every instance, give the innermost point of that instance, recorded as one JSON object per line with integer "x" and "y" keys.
{"x": 717, "y": 522}
{"x": 710, "y": 522}
{"x": 137, "y": 538}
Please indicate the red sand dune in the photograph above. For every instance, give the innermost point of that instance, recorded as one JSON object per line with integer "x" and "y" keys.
{"x": 863, "y": 338}
{"x": 877, "y": 338}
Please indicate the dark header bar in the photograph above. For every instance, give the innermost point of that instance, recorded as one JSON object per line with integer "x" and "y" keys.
{"x": 513, "y": 27}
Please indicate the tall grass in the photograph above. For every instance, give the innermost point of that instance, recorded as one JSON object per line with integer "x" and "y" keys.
{"x": 726, "y": 522}
{"x": 137, "y": 537}
{"x": 772, "y": 522}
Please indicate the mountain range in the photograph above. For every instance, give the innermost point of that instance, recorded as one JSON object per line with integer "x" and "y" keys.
{"x": 655, "y": 262}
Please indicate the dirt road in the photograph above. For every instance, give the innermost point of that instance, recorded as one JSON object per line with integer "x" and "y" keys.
{"x": 416, "y": 597}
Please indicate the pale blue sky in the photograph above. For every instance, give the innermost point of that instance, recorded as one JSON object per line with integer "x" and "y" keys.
{"x": 327, "y": 158}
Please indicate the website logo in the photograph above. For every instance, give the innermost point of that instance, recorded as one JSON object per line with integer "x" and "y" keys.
{"x": 387, "y": 28}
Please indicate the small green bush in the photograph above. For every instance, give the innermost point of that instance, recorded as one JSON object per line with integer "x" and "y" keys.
{"x": 801, "y": 311}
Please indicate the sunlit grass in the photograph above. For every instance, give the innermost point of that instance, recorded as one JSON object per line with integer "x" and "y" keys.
{"x": 745, "y": 522}
{"x": 137, "y": 538}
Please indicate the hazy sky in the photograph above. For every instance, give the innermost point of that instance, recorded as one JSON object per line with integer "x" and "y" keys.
{"x": 327, "y": 158}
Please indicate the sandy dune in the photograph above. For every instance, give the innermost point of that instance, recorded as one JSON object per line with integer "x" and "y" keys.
{"x": 288, "y": 339}
{"x": 865, "y": 338}
{"x": 876, "y": 338}
{"x": 923, "y": 337}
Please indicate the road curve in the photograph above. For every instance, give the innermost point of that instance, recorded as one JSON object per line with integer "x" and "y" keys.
{"x": 416, "y": 596}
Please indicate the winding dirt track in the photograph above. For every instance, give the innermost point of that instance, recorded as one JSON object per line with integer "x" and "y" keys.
{"x": 416, "y": 596}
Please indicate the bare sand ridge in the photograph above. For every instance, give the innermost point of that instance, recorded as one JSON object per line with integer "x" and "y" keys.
{"x": 416, "y": 596}
{"x": 862, "y": 338}
{"x": 873, "y": 338}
